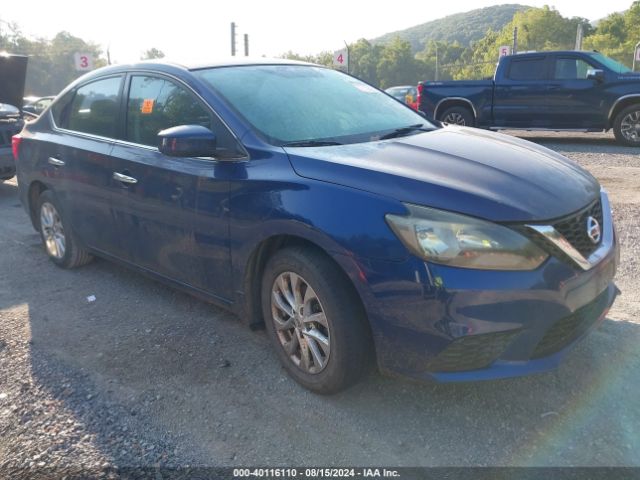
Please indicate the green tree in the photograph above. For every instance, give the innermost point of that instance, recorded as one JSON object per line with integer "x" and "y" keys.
{"x": 448, "y": 55}
{"x": 617, "y": 35}
{"x": 152, "y": 53}
{"x": 397, "y": 65}
{"x": 51, "y": 62}
{"x": 363, "y": 60}
{"x": 538, "y": 29}
{"x": 323, "y": 58}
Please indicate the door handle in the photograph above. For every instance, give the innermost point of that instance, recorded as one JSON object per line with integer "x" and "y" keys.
{"x": 124, "y": 178}
{"x": 56, "y": 162}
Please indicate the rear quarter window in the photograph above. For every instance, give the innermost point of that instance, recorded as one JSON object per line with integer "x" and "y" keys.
{"x": 60, "y": 109}
{"x": 95, "y": 108}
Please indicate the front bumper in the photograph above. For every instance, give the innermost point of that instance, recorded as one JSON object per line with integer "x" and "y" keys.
{"x": 451, "y": 324}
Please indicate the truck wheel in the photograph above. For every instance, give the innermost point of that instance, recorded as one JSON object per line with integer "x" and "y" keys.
{"x": 626, "y": 126}
{"x": 57, "y": 237}
{"x": 457, "y": 116}
{"x": 315, "y": 320}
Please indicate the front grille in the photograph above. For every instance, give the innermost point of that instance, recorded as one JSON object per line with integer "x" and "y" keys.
{"x": 472, "y": 352}
{"x": 569, "y": 328}
{"x": 574, "y": 228}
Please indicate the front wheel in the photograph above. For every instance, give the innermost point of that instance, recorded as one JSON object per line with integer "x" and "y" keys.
{"x": 626, "y": 126}
{"x": 315, "y": 320}
{"x": 57, "y": 237}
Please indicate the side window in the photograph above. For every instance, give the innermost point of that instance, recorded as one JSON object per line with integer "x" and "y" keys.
{"x": 571, "y": 69}
{"x": 527, "y": 69}
{"x": 155, "y": 104}
{"x": 61, "y": 109}
{"x": 94, "y": 108}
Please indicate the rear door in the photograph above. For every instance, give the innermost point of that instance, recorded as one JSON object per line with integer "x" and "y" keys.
{"x": 520, "y": 95}
{"x": 171, "y": 211}
{"x": 575, "y": 101}
{"x": 78, "y": 159}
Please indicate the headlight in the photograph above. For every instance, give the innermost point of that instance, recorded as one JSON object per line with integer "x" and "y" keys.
{"x": 461, "y": 241}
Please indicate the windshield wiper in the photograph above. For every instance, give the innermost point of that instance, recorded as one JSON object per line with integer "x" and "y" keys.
{"x": 399, "y": 132}
{"x": 311, "y": 143}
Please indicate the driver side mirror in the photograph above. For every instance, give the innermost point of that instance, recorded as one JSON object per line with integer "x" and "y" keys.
{"x": 187, "y": 141}
{"x": 595, "y": 74}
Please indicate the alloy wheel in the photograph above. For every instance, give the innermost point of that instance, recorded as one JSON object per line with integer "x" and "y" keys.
{"x": 52, "y": 230}
{"x": 630, "y": 126}
{"x": 300, "y": 322}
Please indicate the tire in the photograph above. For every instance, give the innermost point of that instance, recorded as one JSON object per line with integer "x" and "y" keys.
{"x": 58, "y": 239}
{"x": 626, "y": 126}
{"x": 343, "y": 359}
{"x": 457, "y": 116}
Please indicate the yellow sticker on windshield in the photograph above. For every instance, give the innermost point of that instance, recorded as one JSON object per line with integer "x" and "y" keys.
{"x": 147, "y": 106}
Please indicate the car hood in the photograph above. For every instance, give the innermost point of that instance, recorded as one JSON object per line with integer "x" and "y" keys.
{"x": 466, "y": 170}
{"x": 13, "y": 73}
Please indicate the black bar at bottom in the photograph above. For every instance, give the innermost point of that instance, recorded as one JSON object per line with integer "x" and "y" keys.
{"x": 295, "y": 473}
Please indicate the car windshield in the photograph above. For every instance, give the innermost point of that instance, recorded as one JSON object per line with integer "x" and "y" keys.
{"x": 610, "y": 63}
{"x": 299, "y": 103}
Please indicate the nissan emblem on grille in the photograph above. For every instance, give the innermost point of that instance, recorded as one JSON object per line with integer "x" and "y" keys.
{"x": 593, "y": 229}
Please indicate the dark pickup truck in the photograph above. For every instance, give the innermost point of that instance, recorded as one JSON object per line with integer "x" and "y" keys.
{"x": 13, "y": 70}
{"x": 566, "y": 90}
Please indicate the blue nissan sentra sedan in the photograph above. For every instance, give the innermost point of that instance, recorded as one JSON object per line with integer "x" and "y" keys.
{"x": 301, "y": 197}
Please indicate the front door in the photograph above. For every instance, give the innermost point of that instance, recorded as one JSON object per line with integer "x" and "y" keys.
{"x": 575, "y": 101}
{"x": 157, "y": 198}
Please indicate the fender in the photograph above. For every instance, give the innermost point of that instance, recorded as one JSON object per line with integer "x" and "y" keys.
{"x": 447, "y": 99}
{"x": 615, "y": 104}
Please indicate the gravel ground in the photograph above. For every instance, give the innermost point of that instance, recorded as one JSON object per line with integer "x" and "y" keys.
{"x": 147, "y": 376}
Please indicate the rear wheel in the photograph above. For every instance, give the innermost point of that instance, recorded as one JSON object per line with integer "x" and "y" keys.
{"x": 57, "y": 237}
{"x": 626, "y": 126}
{"x": 315, "y": 320}
{"x": 457, "y": 116}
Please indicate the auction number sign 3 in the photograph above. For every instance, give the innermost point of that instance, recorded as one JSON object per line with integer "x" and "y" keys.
{"x": 83, "y": 61}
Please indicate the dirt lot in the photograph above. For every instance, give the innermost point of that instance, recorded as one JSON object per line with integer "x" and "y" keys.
{"x": 146, "y": 375}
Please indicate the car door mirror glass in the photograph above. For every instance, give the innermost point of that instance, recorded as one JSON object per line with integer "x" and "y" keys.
{"x": 595, "y": 74}
{"x": 187, "y": 141}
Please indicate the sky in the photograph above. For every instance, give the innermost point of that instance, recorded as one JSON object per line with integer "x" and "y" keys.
{"x": 191, "y": 31}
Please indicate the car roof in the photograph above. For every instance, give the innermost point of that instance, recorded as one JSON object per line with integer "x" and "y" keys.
{"x": 164, "y": 64}
{"x": 546, "y": 52}
{"x": 175, "y": 67}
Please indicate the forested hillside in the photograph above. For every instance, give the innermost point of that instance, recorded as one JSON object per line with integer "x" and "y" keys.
{"x": 464, "y": 28}
{"x": 397, "y": 63}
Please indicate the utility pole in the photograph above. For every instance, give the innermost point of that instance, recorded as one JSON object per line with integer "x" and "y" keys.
{"x": 636, "y": 55}
{"x": 579, "y": 35}
{"x": 514, "y": 50}
{"x": 233, "y": 39}
{"x": 436, "y": 79}
{"x": 246, "y": 44}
